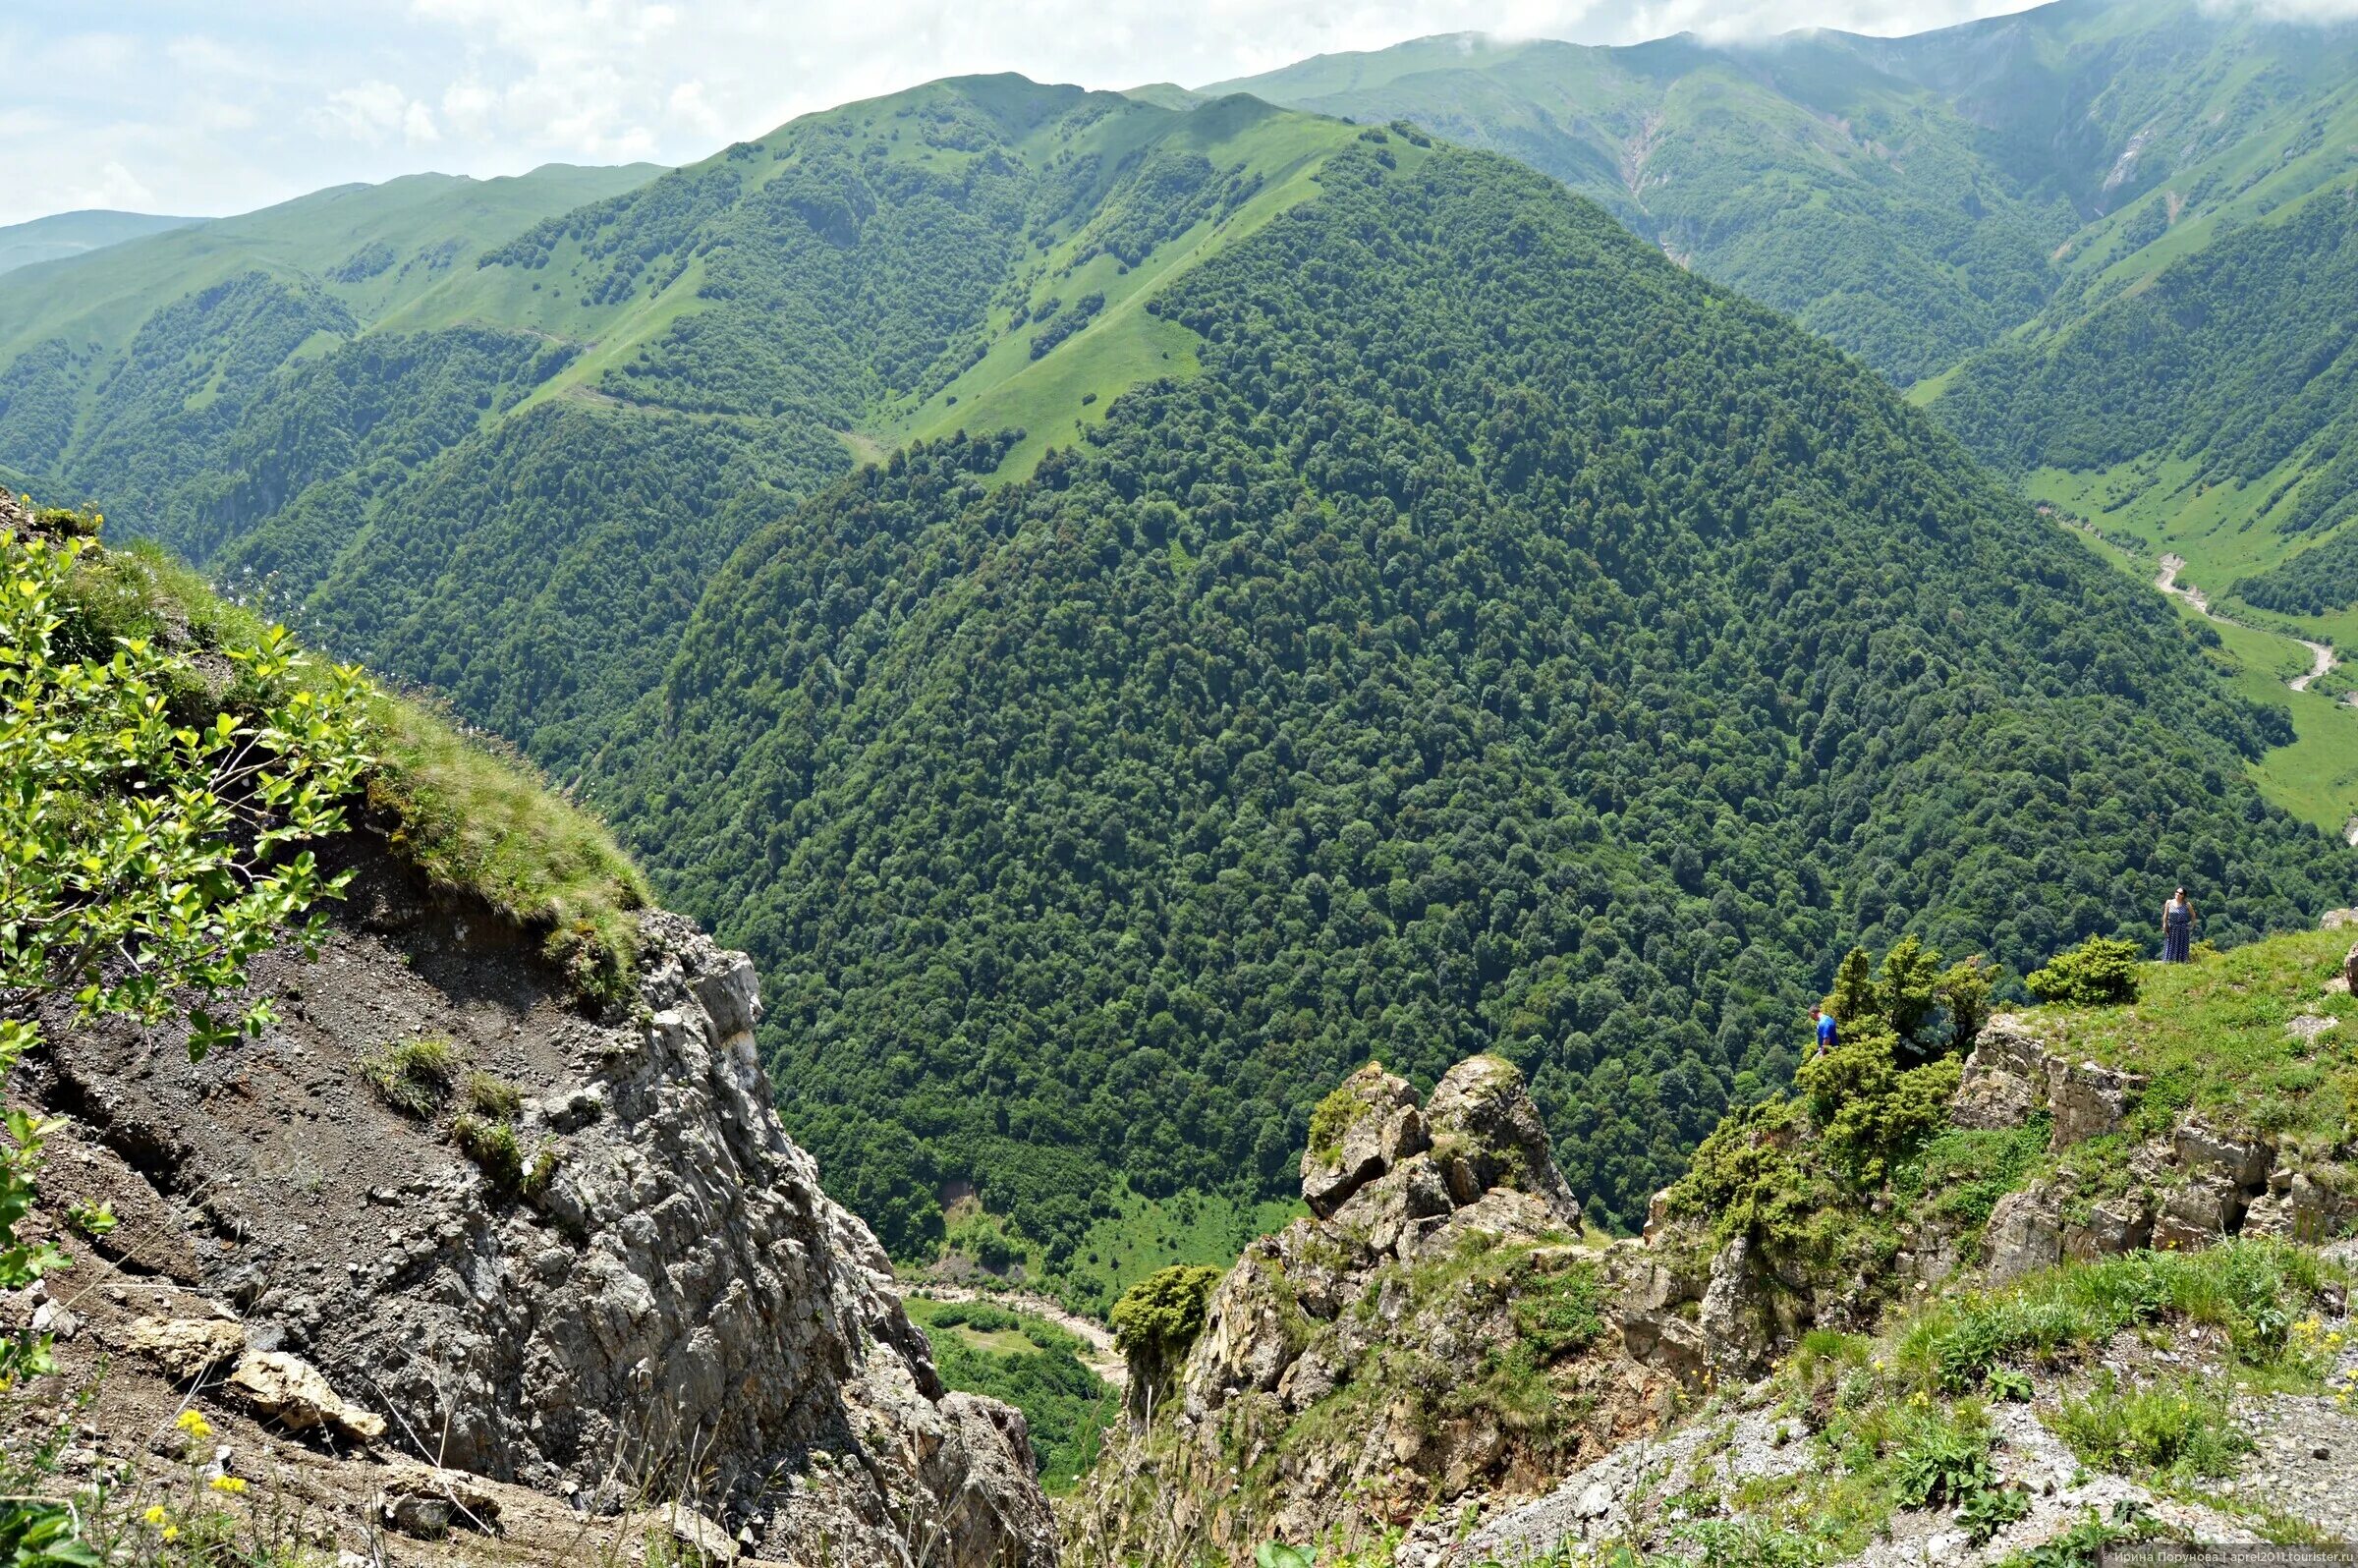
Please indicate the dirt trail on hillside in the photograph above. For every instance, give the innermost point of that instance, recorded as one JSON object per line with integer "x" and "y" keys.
{"x": 1103, "y": 1359}
{"x": 2320, "y": 654}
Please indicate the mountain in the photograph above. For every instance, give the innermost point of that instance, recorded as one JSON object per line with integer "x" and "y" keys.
{"x": 505, "y": 468}
{"x": 1913, "y": 198}
{"x": 71, "y": 234}
{"x": 597, "y": 1272}
{"x": 1503, "y": 641}
{"x": 2094, "y": 1292}
{"x": 1128, "y": 610}
{"x": 2027, "y": 212}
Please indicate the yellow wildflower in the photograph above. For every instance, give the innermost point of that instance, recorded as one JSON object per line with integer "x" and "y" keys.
{"x": 194, "y": 1424}
{"x": 227, "y": 1483}
{"x": 171, "y": 1532}
{"x": 154, "y": 1514}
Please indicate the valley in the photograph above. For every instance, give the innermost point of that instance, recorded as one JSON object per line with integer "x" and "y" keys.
{"x": 1277, "y": 699}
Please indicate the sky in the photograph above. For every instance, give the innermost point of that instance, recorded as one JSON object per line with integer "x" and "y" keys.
{"x": 207, "y": 107}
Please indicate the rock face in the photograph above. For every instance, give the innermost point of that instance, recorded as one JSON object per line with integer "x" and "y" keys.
{"x": 2011, "y": 1075}
{"x": 680, "y": 1309}
{"x": 1438, "y": 1323}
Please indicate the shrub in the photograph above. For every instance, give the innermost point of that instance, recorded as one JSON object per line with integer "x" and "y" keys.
{"x": 1872, "y": 1112}
{"x": 1749, "y": 1176}
{"x": 414, "y": 1076}
{"x": 1157, "y": 1320}
{"x": 2181, "y": 1430}
{"x": 2102, "y": 972}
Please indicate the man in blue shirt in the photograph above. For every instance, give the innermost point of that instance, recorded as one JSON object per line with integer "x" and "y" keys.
{"x": 1826, "y": 1030}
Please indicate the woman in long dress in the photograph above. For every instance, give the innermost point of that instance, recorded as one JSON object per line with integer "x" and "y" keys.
{"x": 2177, "y": 929}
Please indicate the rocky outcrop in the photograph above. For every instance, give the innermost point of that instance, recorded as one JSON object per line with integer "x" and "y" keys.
{"x": 1426, "y": 1334}
{"x": 673, "y": 1309}
{"x": 2011, "y": 1075}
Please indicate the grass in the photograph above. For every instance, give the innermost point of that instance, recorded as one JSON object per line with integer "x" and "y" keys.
{"x": 1139, "y": 1237}
{"x": 2314, "y": 778}
{"x": 2212, "y": 1036}
{"x": 469, "y": 814}
{"x": 2177, "y": 1432}
{"x": 499, "y": 1153}
{"x": 414, "y": 1076}
{"x": 981, "y": 1348}
{"x": 2254, "y": 1290}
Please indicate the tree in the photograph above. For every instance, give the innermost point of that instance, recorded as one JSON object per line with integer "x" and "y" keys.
{"x": 144, "y": 831}
{"x": 1155, "y": 1323}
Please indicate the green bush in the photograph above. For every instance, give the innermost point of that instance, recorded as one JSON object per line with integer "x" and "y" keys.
{"x": 2102, "y": 972}
{"x": 1872, "y": 1112}
{"x": 2181, "y": 1430}
{"x": 414, "y": 1076}
{"x": 1943, "y": 1461}
{"x": 1157, "y": 1320}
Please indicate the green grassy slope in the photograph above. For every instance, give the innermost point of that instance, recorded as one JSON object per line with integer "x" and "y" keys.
{"x": 506, "y": 469}
{"x": 65, "y": 235}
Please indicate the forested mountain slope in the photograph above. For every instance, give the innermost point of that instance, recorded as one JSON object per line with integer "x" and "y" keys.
{"x": 2136, "y": 214}
{"x": 1912, "y": 199}
{"x": 1507, "y": 640}
{"x": 507, "y": 469}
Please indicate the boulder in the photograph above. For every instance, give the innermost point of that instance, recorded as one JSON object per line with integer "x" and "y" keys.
{"x": 2349, "y": 969}
{"x": 678, "y": 1534}
{"x": 2118, "y": 1225}
{"x": 425, "y": 1502}
{"x": 289, "y": 1391}
{"x": 1369, "y": 1125}
{"x": 2025, "y": 1234}
{"x": 1394, "y": 1213}
{"x": 185, "y": 1347}
{"x": 2201, "y": 1210}
{"x": 1253, "y": 1328}
{"x": 1738, "y": 1322}
{"x": 2089, "y": 1100}
{"x": 2004, "y": 1080}
{"x": 2242, "y": 1159}
{"x": 1486, "y": 1133}
{"x": 2338, "y": 918}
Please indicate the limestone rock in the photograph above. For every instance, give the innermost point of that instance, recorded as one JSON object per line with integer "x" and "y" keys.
{"x": 185, "y": 1347}
{"x": 2338, "y": 918}
{"x": 2349, "y": 969}
{"x": 289, "y": 1391}
{"x": 1393, "y": 1211}
{"x": 2025, "y": 1235}
{"x": 1737, "y": 1322}
{"x": 2203, "y": 1210}
{"x": 2005, "y": 1076}
{"x": 688, "y": 1536}
{"x": 1380, "y": 1127}
{"x": 2118, "y": 1225}
{"x": 427, "y": 1502}
{"x": 2089, "y": 1100}
{"x": 2242, "y": 1159}
{"x": 1487, "y": 1133}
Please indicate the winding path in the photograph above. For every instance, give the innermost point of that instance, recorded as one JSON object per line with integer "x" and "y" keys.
{"x": 2320, "y": 654}
{"x": 1103, "y": 1359}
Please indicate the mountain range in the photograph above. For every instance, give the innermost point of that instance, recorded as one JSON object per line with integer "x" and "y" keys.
{"x": 1129, "y": 604}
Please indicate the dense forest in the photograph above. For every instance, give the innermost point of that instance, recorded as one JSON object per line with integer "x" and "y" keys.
{"x": 1508, "y": 642}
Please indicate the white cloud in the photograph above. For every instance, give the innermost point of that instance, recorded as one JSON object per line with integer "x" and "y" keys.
{"x": 117, "y": 186}
{"x": 271, "y": 98}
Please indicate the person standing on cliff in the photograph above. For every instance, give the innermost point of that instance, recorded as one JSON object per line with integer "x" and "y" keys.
{"x": 2177, "y": 929}
{"x": 1828, "y": 1033}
